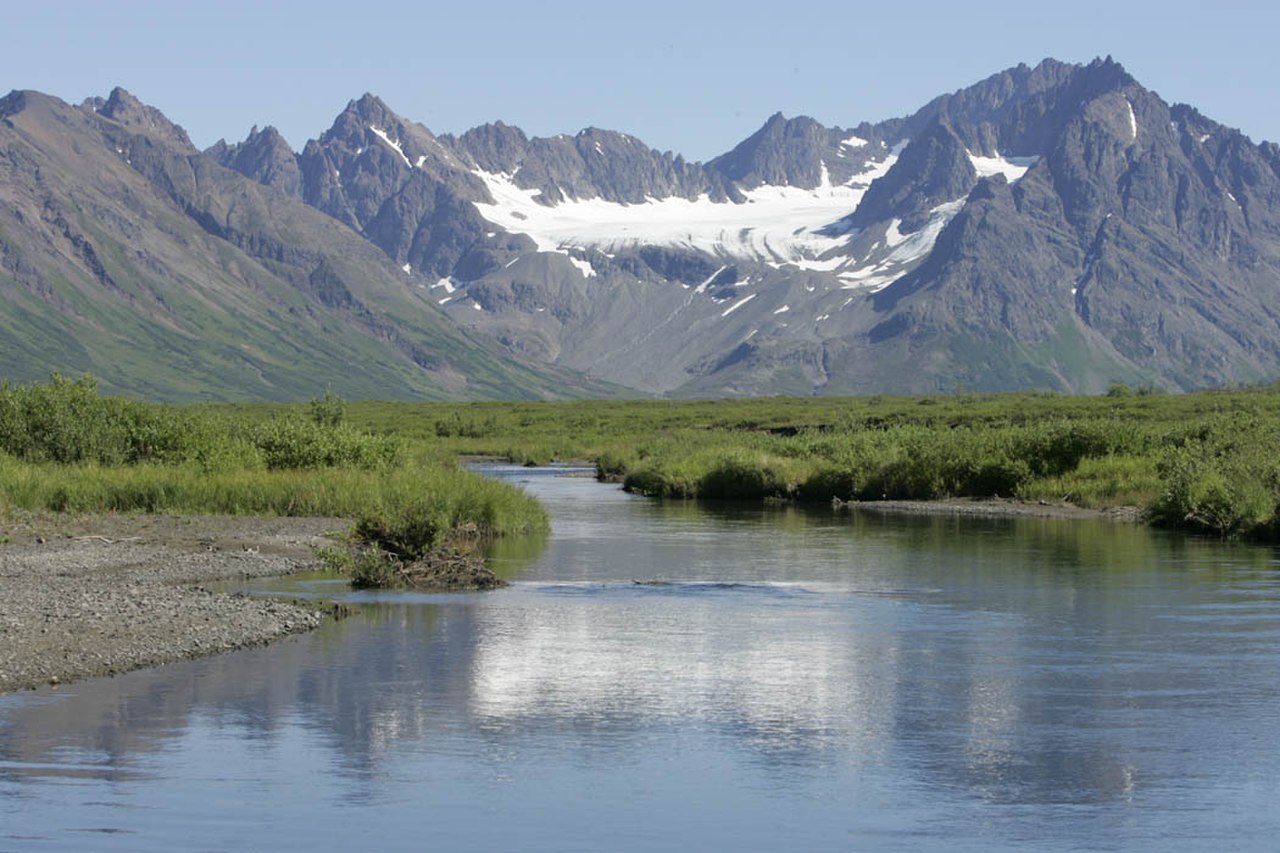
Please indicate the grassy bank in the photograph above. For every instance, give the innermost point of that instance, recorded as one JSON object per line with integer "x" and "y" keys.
{"x": 1203, "y": 461}
{"x": 65, "y": 448}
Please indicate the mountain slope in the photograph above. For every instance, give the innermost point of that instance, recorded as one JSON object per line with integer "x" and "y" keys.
{"x": 127, "y": 253}
{"x": 1055, "y": 227}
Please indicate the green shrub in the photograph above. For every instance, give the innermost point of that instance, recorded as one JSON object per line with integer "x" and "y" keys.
{"x": 1223, "y": 479}
{"x": 67, "y": 421}
{"x": 745, "y": 477}
{"x": 405, "y": 533}
{"x": 329, "y": 410}
{"x": 291, "y": 442}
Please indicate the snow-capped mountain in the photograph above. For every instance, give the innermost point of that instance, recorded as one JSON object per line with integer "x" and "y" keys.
{"x": 1056, "y": 227}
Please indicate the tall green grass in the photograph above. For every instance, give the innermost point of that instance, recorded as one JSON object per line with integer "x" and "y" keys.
{"x": 1199, "y": 461}
{"x": 1205, "y": 461}
{"x": 65, "y": 448}
{"x": 454, "y": 496}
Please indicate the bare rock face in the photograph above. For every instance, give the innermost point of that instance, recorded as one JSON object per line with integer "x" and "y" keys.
{"x": 124, "y": 108}
{"x": 265, "y": 157}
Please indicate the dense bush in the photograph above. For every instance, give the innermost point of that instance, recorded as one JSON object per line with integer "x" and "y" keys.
{"x": 1223, "y": 479}
{"x": 291, "y": 442}
{"x": 67, "y": 421}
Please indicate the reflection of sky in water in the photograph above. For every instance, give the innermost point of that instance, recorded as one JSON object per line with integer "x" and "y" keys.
{"x": 781, "y": 663}
{"x": 801, "y": 680}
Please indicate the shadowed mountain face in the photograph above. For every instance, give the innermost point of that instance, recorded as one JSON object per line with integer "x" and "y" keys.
{"x": 1056, "y": 227}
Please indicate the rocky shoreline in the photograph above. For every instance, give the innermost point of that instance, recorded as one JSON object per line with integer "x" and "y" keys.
{"x": 98, "y": 595}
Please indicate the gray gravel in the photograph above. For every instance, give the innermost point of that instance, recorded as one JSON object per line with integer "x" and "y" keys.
{"x": 99, "y": 595}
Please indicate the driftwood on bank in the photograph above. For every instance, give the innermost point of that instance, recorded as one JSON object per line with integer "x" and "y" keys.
{"x": 448, "y": 571}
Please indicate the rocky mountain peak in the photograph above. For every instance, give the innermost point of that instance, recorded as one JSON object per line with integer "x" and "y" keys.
{"x": 123, "y": 108}
{"x": 264, "y": 156}
{"x": 1053, "y": 226}
{"x": 494, "y": 147}
{"x": 13, "y": 103}
{"x": 787, "y": 152}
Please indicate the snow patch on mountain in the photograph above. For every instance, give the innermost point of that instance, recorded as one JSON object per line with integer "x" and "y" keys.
{"x": 1013, "y": 168}
{"x": 583, "y": 266}
{"x": 702, "y": 288}
{"x": 777, "y": 225}
{"x": 878, "y": 271}
{"x": 735, "y": 306}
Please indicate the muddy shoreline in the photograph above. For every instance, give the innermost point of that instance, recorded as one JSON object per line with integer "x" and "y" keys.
{"x": 85, "y": 596}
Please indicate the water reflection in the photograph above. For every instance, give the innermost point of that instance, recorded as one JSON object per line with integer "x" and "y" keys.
{"x": 949, "y": 682}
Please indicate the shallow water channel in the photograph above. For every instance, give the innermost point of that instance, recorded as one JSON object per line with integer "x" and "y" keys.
{"x": 798, "y": 680}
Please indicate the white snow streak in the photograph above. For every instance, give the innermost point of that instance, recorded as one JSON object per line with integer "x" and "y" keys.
{"x": 702, "y": 288}
{"x": 394, "y": 143}
{"x": 1133, "y": 121}
{"x": 906, "y": 249}
{"x": 784, "y": 309}
{"x": 854, "y": 142}
{"x": 735, "y": 306}
{"x": 446, "y": 283}
{"x": 408, "y": 268}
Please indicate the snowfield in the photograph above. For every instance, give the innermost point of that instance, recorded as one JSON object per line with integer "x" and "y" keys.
{"x": 776, "y": 225}
{"x": 781, "y": 226}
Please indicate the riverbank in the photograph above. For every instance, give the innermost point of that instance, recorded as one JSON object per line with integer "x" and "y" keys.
{"x": 91, "y": 595}
{"x": 995, "y": 508}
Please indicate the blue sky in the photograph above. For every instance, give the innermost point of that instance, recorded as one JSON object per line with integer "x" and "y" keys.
{"x": 694, "y": 78}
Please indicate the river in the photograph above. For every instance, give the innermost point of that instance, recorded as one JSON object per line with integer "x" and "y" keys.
{"x": 663, "y": 676}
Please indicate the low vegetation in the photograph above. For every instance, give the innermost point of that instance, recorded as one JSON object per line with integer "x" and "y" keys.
{"x": 65, "y": 448}
{"x": 1204, "y": 462}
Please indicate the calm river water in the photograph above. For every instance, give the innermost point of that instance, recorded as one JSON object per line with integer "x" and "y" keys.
{"x": 801, "y": 680}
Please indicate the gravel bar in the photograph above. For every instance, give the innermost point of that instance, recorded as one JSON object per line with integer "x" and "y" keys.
{"x": 86, "y": 596}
